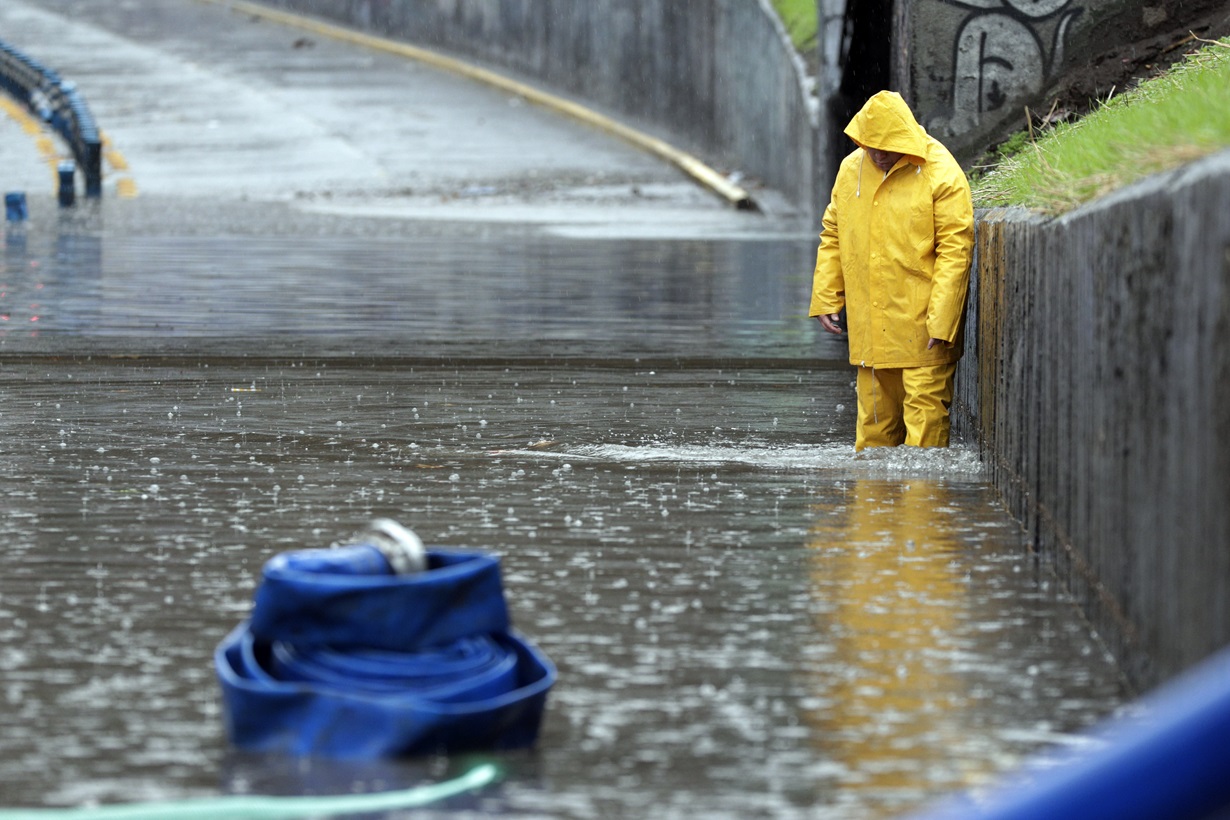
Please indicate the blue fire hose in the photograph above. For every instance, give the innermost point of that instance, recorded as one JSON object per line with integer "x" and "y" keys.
{"x": 381, "y": 649}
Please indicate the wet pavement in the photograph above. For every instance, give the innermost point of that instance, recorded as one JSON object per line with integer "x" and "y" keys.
{"x": 195, "y": 100}
{"x": 618, "y": 396}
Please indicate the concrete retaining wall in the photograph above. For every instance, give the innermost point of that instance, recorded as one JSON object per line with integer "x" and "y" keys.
{"x": 1098, "y": 384}
{"x": 719, "y": 78}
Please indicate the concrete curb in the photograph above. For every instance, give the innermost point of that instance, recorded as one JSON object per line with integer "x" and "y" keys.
{"x": 693, "y": 167}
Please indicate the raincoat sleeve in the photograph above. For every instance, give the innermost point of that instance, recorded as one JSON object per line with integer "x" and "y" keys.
{"x": 828, "y": 288}
{"x": 954, "y": 240}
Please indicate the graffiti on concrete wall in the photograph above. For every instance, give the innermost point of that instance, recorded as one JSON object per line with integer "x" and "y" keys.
{"x": 1001, "y": 55}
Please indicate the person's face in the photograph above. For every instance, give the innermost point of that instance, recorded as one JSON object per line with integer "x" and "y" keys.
{"x": 884, "y": 160}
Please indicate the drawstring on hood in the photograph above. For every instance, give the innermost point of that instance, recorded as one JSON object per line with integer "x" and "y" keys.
{"x": 875, "y": 408}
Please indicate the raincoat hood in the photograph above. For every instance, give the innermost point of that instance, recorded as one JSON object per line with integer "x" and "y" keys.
{"x": 886, "y": 123}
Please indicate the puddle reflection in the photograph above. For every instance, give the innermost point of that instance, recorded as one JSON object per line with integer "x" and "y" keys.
{"x": 916, "y": 679}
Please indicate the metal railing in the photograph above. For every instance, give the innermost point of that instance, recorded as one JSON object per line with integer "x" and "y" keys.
{"x": 57, "y": 102}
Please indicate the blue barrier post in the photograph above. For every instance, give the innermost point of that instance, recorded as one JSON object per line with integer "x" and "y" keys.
{"x": 15, "y": 206}
{"x": 93, "y": 168}
{"x": 68, "y": 191}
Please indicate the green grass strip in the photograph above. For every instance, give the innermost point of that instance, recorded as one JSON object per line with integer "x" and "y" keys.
{"x": 257, "y": 807}
{"x": 1163, "y": 123}
{"x": 801, "y": 21}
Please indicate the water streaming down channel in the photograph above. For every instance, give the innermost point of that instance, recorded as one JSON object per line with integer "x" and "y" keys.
{"x": 749, "y": 619}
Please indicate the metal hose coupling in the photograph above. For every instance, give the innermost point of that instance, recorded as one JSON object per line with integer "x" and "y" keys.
{"x": 401, "y": 547}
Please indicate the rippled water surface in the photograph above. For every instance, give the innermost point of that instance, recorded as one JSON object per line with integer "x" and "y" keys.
{"x": 749, "y": 620}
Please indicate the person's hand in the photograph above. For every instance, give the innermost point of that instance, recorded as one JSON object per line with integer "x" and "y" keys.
{"x": 933, "y": 342}
{"x": 829, "y": 322}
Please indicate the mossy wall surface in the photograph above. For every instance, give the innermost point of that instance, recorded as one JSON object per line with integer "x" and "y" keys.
{"x": 1097, "y": 381}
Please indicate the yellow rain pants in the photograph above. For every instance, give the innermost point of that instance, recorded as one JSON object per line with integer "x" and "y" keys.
{"x": 904, "y": 406}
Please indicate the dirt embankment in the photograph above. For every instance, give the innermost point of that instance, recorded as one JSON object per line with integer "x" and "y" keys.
{"x": 1122, "y": 67}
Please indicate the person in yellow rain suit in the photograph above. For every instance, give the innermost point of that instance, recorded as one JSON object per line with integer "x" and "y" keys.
{"x": 895, "y": 253}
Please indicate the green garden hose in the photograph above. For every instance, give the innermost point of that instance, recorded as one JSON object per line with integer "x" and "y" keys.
{"x": 259, "y": 807}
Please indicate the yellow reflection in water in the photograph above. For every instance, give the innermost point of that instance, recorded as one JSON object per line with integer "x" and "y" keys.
{"x": 885, "y": 562}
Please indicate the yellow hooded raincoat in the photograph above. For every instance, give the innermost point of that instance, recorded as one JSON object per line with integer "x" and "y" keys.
{"x": 895, "y": 249}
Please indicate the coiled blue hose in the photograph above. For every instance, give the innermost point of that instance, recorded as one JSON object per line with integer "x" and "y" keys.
{"x": 342, "y": 657}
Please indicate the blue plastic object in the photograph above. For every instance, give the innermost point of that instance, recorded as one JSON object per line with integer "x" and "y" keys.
{"x": 343, "y": 658}
{"x": 1172, "y": 761}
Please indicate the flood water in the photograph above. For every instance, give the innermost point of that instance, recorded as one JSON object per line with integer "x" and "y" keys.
{"x": 749, "y": 620}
